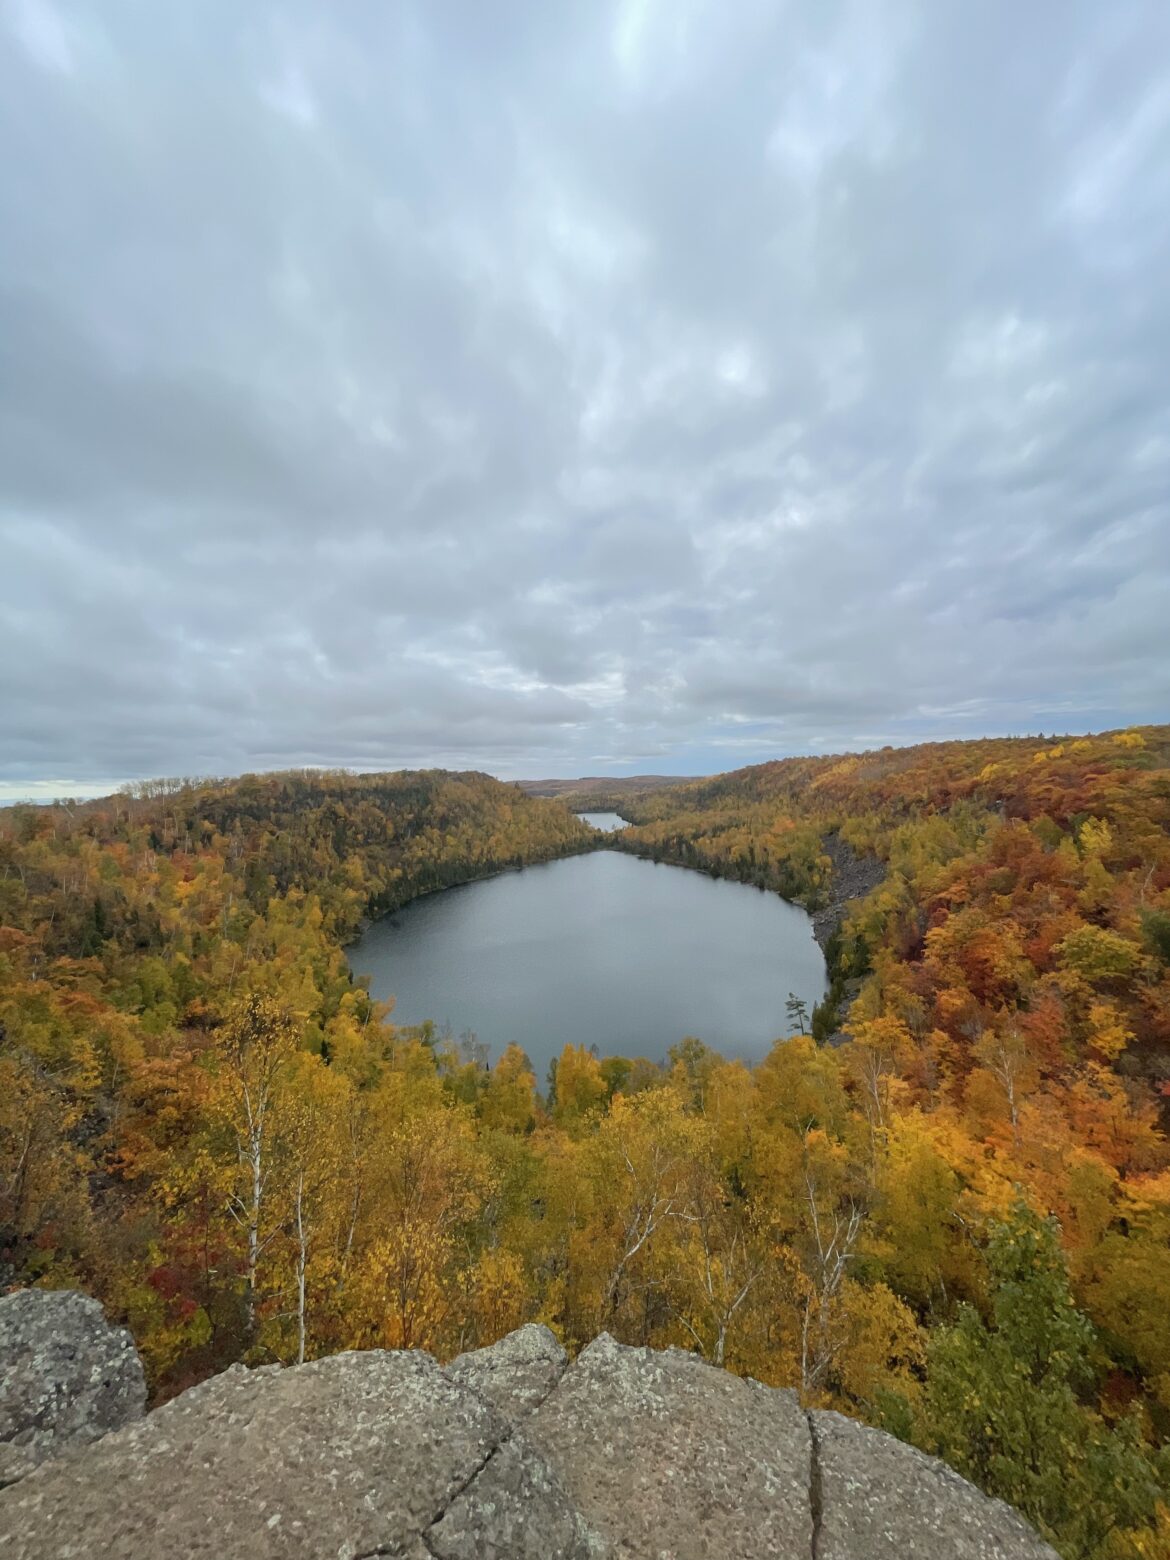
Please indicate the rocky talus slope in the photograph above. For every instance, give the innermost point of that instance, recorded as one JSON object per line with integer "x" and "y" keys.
{"x": 508, "y": 1452}
{"x": 853, "y": 877}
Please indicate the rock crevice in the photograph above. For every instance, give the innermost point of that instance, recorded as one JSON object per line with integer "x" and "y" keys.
{"x": 494, "y": 1512}
{"x": 816, "y": 1495}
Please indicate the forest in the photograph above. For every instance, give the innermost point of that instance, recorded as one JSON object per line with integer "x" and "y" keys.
{"x": 941, "y": 1204}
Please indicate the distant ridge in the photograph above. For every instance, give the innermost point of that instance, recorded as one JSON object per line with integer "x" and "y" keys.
{"x": 607, "y": 784}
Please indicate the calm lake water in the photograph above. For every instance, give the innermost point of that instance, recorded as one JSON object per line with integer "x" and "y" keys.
{"x": 606, "y": 822}
{"x": 602, "y": 949}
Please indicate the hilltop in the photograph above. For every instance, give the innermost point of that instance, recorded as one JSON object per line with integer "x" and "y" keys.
{"x": 598, "y": 788}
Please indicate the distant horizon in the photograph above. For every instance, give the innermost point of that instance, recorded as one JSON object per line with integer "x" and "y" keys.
{"x": 43, "y": 792}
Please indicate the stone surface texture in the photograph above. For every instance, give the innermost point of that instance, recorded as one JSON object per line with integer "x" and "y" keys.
{"x": 352, "y": 1455}
{"x": 508, "y": 1454}
{"x": 517, "y": 1509}
{"x": 516, "y": 1374}
{"x": 888, "y": 1501}
{"x": 66, "y": 1377}
{"x": 667, "y": 1456}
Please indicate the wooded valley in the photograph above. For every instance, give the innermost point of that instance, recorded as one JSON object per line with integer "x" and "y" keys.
{"x": 945, "y": 1209}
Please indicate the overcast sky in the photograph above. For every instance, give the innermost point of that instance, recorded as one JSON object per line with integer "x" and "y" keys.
{"x": 560, "y": 388}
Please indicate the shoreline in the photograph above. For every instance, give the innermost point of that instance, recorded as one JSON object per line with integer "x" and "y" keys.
{"x": 854, "y": 876}
{"x": 479, "y": 877}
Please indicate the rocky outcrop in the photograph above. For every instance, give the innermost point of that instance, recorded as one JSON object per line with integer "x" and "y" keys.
{"x": 516, "y": 1506}
{"x": 508, "y": 1454}
{"x": 853, "y": 877}
{"x": 66, "y": 1377}
{"x": 515, "y": 1509}
{"x": 667, "y": 1456}
{"x": 877, "y": 1496}
{"x": 516, "y": 1374}
{"x": 353, "y": 1455}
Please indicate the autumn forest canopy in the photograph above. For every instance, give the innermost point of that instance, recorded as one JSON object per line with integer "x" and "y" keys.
{"x": 941, "y": 1204}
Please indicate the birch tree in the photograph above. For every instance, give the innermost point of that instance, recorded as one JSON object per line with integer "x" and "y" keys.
{"x": 253, "y": 1048}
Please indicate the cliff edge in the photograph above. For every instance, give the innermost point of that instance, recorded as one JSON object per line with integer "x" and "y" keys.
{"x": 508, "y": 1452}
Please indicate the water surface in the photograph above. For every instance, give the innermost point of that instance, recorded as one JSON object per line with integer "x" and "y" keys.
{"x": 607, "y": 822}
{"x": 601, "y": 949}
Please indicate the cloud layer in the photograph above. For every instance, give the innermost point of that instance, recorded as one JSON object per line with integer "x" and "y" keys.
{"x": 563, "y": 388}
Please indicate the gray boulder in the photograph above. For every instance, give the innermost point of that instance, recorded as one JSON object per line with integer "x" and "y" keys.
{"x": 884, "y": 1500}
{"x": 66, "y": 1377}
{"x": 515, "y": 1509}
{"x": 516, "y": 1374}
{"x": 506, "y": 1455}
{"x": 666, "y": 1456}
{"x": 353, "y": 1455}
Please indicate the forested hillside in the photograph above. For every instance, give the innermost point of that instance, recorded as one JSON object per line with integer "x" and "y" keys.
{"x": 176, "y": 1012}
{"x": 955, "y": 1224}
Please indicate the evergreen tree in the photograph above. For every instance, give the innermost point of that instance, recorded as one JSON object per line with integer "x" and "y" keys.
{"x": 1004, "y": 1401}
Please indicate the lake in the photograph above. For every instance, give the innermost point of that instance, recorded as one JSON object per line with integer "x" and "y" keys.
{"x": 606, "y": 822}
{"x": 602, "y": 949}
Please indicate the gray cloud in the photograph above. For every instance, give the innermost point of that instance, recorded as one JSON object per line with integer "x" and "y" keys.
{"x": 578, "y": 387}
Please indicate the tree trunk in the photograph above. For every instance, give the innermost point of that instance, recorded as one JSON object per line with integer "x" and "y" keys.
{"x": 255, "y": 1154}
{"x": 302, "y": 1263}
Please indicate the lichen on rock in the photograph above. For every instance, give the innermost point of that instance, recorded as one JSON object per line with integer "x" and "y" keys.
{"x": 66, "y": 1377}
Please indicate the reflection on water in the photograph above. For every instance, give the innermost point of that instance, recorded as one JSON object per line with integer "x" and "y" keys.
{"x": 599, "y": 950}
